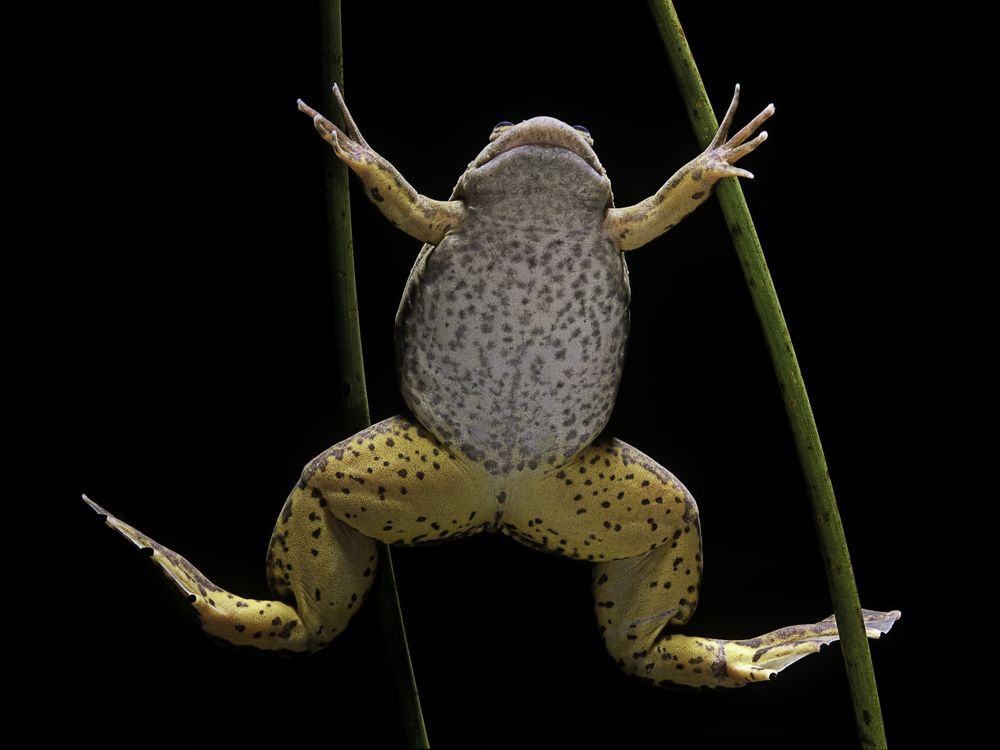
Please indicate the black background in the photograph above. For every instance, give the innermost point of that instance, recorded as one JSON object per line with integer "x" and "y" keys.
{"x": 185, "y": 252}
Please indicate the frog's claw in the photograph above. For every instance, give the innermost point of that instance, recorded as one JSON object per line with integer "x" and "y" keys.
{"x": 426, "y": 219}
{"x": 634, "y": 226}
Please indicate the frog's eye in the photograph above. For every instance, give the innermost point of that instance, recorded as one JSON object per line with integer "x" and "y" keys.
{"x": 585, "y": 133}
{"x": 499, "y": 128}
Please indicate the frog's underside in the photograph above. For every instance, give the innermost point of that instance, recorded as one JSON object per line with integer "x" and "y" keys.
{"x": 510, "y": 341}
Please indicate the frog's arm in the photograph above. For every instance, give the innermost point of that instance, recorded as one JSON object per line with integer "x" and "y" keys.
{"x": 634, "y": 226}
{"x": 420, "y": 217}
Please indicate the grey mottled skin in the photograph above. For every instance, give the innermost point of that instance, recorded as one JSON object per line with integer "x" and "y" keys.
{"x": 511, "y": 334}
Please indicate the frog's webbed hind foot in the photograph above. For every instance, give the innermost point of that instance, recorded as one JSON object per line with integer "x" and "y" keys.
{"x": 265, "y": 624}
{"x": 424, "y": 218}
{"x": 762, "y": 658}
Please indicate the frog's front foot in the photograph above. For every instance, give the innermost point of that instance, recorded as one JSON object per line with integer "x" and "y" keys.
{"x": 633, "y": 226}
{"x": 350, "y": 148}
{"x": 722, "y": 153}
{"x": 425, "y": 219}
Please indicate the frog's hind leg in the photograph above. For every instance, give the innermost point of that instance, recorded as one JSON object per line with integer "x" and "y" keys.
{"x": 645, "y": 530}
{"x": 638, "y": 600}
{"x": 339, "y": 562}
{"x": 392, "y": 482}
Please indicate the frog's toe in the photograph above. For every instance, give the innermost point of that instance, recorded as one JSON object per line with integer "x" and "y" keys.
{"x": 327, "y": 130}
{"x": 349, "y": 145}
{"x": 878, "y": 624}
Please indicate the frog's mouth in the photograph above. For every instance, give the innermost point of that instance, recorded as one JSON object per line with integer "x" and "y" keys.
{"x": 541, "y": 131}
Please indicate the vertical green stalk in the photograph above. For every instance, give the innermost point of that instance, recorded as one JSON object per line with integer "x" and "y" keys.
{"x": 353, "y": 394}
{"x": 837, "y": 561}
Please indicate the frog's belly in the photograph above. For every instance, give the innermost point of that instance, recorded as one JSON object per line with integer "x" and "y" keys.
{"x": 512, "y": 353}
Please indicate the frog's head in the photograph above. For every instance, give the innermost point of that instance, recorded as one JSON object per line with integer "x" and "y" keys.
{"x": 542, "y": 153}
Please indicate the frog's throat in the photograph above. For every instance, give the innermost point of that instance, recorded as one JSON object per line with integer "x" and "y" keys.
{"x": 540, "y": 131}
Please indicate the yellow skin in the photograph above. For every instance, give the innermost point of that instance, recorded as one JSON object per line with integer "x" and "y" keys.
{"x": 507, "y": 435}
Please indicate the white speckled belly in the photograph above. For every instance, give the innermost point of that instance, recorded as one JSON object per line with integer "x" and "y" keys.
{"x": 511, "y": 335}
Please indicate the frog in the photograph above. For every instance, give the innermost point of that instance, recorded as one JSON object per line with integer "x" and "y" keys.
{"x": 510, "y": 342}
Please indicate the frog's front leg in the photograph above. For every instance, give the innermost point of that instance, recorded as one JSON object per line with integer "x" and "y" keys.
{"x": 392, "y": 482}
{"x": 424, "y": 218}
{"x": 634, "y": 226}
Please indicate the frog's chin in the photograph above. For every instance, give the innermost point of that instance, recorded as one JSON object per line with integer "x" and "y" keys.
{"x": 539, "y": 155}
{"x": 545, "y": 132}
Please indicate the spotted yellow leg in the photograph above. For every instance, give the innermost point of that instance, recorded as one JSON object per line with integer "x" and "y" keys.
{"x": 641, "y": 600}
{"x": 305, "y": 625}
{"x": 392, "y": 482}
{"x": 616, "y": 506}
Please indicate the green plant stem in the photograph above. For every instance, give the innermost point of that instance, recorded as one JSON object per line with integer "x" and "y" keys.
{"x": 837, "y": 561}
{"x": 354, "y": 396}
